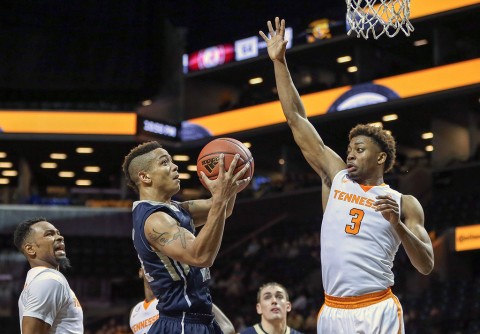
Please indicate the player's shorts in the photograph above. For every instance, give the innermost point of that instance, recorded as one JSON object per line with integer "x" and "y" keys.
{"x": 378, "y": 312}
{"x": 185, "y": 323}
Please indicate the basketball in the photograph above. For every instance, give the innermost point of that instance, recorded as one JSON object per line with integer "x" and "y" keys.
{"x": 209, "y": 156}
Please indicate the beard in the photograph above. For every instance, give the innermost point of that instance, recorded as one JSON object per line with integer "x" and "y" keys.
{"x": 64, "y": 263}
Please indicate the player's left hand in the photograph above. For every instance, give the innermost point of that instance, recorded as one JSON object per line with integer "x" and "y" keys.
{"x": 389, "y": 209}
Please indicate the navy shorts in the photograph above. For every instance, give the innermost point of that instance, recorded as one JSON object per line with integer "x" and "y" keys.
{"x": 188, "y": 323}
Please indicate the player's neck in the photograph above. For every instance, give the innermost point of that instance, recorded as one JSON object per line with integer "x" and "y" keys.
{"x": 153, "y": 195}
{"x": 279, "y": 327}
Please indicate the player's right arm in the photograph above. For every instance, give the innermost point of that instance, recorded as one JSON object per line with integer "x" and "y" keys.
{"x": 320, "y": 157}
{"x": 166, "y": 236}
{"x": 31, "y": 325}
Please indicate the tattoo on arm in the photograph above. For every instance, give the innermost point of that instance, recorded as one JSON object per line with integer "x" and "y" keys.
{"x": 163, "y": 238}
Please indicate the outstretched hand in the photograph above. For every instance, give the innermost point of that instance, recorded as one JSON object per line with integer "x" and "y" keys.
{"x": 389, "y": 209}
{"x": 276, "y": 44}
{"x": 227, "y": 183}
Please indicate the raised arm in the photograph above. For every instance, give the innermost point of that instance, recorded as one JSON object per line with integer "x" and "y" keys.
{"x": 322, "y": 159}
{"x": 411, "y": 230}
{"x": 222, "y": 320}
{"x": 166, "y": 236}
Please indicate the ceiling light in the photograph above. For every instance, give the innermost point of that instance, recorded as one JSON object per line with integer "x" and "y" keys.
{"x": 429, "y": 148}
{"x": 192, "y": 168}
{"x": 91, "y": 169}
{"x": 391, "y": 117}
{"x": 6, "y": 164}
{"x": 247, "y": 144}
{"x": 66, "y": 174}
{"x": 180, "y": 157}
{"x": 344, "y": 59}
{"x": 376, "y": 124}
{"x": 281, "y": 161}
{"x": 184, "y": 176}
{"x": 3, "y": 155}
{"x": 352, "y": 69}
{"x": 9, "y": 173}
{"x": 83, "y": 183}
{"x": 255, "y": 81}
{"x": 84, "y": 150}
{"x": 48, "y": 165}
{"x": 420, "y": 42}
{"x": 427, "y": 135}
{"x": 4, "y": 181}
{"x": 58, "y": 156}
{"x": 146, "y": 103}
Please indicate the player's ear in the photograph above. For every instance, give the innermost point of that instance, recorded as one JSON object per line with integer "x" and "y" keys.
{"x": 288, "y": 306}
{"x": 381, "y": 158}
{"x": 144, "y": 177}
{"x": 259, "y": 309}
{"x": 28, "y": 249}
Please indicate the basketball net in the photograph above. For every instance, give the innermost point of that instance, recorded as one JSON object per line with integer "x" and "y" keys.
{"x": 378, "y": 17}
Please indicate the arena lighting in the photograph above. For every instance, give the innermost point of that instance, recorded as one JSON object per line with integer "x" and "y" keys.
{"x": 91, "y": 169}
{"x": 255, "y": 81}
{"x": 6, "y": 164}
{"x": 3, "y": 155}
{"x": 58, "y": 156}
{"x": 180, "y": 157}
{"x": 84, "y": 150}
{"x": 4, "y": 181}
{"x": 184, "y": 176}
{"x": 9, "y": 173}
{"x": 66, "y": 174}
{"x": 247, "y": 144}
{"x": 429, "y": 148}
{"x": 376, "y": 124}
{"x": 48, "y": 165}
{"x": 427, "y": 135}
{"x": 146, "y": 103}
{"x": 83, "y": 183}
{"x": 281, "y": 161}
{"x": 192, "y": 168}
{"x": 420, "y": 42}
{"x": 352, "y": 69}
{"x": 344, "y": 59}
{"x": 389, "y": 118}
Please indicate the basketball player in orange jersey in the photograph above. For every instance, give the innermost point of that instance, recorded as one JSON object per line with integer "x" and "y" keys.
{"x": 145, "y": 313}
{"x": 364, "y": 220}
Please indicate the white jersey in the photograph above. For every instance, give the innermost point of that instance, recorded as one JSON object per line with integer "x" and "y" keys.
{"x": 358, "y": 245}
{"x": 143, "y": 315}
{"x": 48, "y": 297}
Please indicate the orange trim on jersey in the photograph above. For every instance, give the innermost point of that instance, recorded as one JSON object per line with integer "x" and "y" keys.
{"x": 399, "y": 313}
{"x": 367, "y": 188}
{"x": 358, "y": 301}
{"x": 147, "y": 304}
{"x": 320, "y": 312}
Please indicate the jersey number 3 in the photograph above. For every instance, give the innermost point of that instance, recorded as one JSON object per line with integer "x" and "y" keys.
{"x": 354, "y": 226}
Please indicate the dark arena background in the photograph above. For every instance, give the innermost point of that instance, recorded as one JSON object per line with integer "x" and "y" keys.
{"x": 83, "y": 82}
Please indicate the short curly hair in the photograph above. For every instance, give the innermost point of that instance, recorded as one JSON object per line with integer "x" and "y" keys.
{"x": 259, "y": 293}
{"x": 23, "y": 230}
{"x": 134, "y": 153}
{"x": 384, "y": 140}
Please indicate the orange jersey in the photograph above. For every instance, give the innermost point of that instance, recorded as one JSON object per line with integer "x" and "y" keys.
{"x": 358, "y": 245}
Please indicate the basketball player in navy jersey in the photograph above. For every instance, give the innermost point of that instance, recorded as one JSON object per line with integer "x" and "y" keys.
{"x": 175, "y": 262}
{"x": 364, "y": 220}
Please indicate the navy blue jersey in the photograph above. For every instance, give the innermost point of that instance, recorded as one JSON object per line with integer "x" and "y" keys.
{"x": 177, "y": 286}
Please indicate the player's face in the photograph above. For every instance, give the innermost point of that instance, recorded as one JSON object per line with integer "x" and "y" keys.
{"x": 363, "y": 157}
{"x": 163, "y": 172}
{"x": 47, "y": 244}
{"x": 273, "y": 304}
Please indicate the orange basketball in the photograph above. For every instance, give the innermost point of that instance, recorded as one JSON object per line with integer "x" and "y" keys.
{"x": 208, "y": 159}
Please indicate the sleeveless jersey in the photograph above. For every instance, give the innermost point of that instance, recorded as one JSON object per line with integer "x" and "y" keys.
{"x": 143, "y": 315}
{"x": 177, "y": 286}
{"x": 256, "y": 329}
{"x": 358, "y": 245}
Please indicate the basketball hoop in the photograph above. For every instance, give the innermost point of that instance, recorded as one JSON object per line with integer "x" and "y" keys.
{"x": 378, "y": 17}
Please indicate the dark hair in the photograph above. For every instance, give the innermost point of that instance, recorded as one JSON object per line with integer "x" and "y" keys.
{"x": 271, "y": 284}
{"x": 23, "y": 230}
{"x": 135, "y": 152}
{"x": 380, "y": 136}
